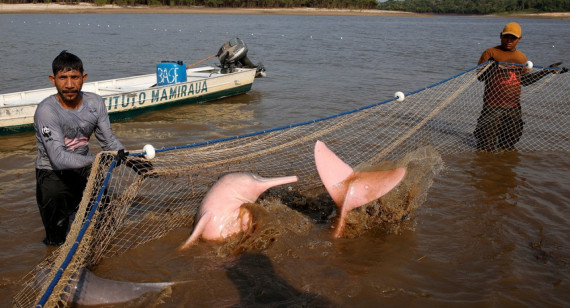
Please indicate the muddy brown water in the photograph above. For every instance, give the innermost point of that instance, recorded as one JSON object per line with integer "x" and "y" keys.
{"x": 493, "y": 229}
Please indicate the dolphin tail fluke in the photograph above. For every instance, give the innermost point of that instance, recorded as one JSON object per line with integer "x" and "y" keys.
{"x": 333, "y": 171}
{"x": 366, "y": 187}
{"x": 349, "y": 189}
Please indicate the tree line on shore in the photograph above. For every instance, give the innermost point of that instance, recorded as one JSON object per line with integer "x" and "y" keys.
{"x": 328, "y": 4}
{"x": 417, "y": 6}
{"x": 476, "y": 6}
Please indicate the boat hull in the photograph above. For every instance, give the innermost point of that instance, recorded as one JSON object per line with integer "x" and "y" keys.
{"x": 129, "y": 97}
{"x": 129, "y": 113}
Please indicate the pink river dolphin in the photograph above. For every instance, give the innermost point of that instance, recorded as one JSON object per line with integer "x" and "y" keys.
{"x": 221, "y": 215}
{"x": 350, "y": 189}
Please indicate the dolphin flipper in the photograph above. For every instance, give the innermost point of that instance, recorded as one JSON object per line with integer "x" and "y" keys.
{"x": 200, "y": 226}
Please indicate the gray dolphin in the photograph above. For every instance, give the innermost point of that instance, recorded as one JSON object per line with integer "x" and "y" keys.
{"x": 92, "y": 290}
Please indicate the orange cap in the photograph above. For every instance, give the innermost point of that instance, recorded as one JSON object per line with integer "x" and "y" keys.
{"x": 512, "y": 28}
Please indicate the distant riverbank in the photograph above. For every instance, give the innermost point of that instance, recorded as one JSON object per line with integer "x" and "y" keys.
{"x": 39, "y": 8}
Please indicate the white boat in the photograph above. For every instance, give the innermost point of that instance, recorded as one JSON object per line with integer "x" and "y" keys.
{"x": 127, "y": 97}
{"x": 173, "y": 84}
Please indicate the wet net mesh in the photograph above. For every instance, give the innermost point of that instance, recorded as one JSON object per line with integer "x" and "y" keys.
{"x": 122, "y": 209}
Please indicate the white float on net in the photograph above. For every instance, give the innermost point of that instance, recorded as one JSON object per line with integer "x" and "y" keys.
{"x": 399, "y": 96}
{"x": 529, "y": 65}
{"x": 149, "y": 151}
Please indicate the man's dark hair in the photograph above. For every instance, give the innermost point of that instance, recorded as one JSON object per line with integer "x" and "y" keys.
{"x": 66, "y": 61}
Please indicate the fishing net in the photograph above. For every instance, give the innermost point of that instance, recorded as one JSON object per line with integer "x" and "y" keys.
{"x": 123, "y": 208}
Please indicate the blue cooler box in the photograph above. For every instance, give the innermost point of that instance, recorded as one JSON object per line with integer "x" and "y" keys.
{"x": 170, "y": 72}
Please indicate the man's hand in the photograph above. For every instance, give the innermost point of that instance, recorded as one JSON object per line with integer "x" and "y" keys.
{"x": 560, "y": 71}
{"x": 139, "y": 165}
{"x": 483, "y": 76}
{"x": 557, "y": 64}
{"x": 121, "y": 156}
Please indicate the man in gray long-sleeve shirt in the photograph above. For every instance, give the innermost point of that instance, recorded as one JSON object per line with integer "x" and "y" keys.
{"x": 64, "y": 123}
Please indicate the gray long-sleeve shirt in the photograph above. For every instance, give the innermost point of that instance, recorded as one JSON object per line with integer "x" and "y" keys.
{"x": 62, "y": 135}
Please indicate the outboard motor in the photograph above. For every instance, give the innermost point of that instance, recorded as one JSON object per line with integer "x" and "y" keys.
{"x": 233, "y": 53}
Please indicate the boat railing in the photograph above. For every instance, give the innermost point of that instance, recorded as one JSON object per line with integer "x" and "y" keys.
{"x": 24, "y": 97}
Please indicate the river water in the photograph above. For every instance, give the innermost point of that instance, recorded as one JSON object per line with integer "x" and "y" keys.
{"x": 494, "y": 230}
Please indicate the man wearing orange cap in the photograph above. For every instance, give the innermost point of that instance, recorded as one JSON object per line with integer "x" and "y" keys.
{"x": 500, "y": 124}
